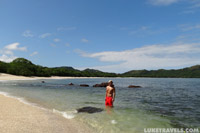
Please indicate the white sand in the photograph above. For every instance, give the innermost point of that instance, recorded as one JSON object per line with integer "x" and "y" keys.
{"x": 17, "y": 117}
{"x": 4, "y": 76}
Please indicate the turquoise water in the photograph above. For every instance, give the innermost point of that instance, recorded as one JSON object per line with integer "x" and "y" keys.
{"x": 160, "y": 103}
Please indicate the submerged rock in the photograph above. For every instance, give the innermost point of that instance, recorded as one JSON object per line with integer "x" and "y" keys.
{"x": 89, "y": 110}
{"x": 84, "y": 85}
{"x": 43, "y": 81}
{"x": 134, "y": 86}
{"x": 104, "y": 84}
{"x": 70, "y": 84}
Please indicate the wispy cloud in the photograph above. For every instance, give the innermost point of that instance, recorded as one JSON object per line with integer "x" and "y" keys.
{"x": 147, "y": 57}
{"x": 195, "y": 3}
{"x": 45, "y": 35}
{"x": 190, "y": 11}
{"x": 34, "y": 53}
{"x": 142, "y": 30}
{"x": 56, "y": 40}
{"x": 81, "y": 52}
{"x": 191, "y": 7}
{"x": 148, "y": 30}
{"x": 52, "y": 45}
{"x": 7, "y": 53}
{"x": 187, "y": 27}
{"x": 67, "y": 52}
{"x": 162, "y": 2}
{"x": 66, "y": 28}
{"x": 27, "y": 33}
{"x": 15, "y": 46}
{"x": 84, "y": 40}
{"x": 124, "y": 28}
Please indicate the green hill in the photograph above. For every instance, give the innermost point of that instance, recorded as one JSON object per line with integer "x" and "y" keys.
{"x": 189, "y": 72}
{"x": 24, "y": 67}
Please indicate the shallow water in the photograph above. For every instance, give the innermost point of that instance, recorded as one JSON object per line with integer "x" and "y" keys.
{"x": 161, "y": 102}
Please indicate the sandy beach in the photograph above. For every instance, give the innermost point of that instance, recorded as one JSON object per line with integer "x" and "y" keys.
{"x": 4, "y": 76}
{"x": 17, "y": 117}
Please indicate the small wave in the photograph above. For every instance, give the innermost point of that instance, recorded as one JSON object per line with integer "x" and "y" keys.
{"x": 22, "y": 100}
{"x": 67, "y": 115}
{"x": 4, "y": 94}
{"x": 4, "y": 80}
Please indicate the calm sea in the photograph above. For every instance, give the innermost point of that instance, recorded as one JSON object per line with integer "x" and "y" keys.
{"x": 160, "y": 103}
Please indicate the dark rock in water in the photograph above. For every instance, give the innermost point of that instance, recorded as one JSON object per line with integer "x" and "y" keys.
{"x": 89, "y": 110}
{"x": 134, "y": 86}
{"x": 43, "y": 81}
{"x": 71, "y": 84}
{"x": 84, "y": 85}
{"x": 104, "y": 84}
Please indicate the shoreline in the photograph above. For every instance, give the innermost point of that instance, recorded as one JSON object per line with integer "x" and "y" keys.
{"x": 18, "y": 116}
{"x": 7, "y": 77}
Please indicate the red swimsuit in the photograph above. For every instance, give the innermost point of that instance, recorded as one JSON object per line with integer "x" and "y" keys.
{"x": 109, "y": 101}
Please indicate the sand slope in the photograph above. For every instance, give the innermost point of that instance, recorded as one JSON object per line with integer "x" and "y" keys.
{"x": 17, "y": 117}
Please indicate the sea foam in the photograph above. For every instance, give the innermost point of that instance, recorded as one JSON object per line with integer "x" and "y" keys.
{"x": 67, "y": 115}
{"x": 113, "y": 122}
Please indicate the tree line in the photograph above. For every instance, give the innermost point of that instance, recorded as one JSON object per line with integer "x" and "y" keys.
{"x": 24, "y": 67}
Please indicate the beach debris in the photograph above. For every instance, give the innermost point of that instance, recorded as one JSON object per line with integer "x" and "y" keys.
{"x": 84, "y": 85}
{"x": 43, "y": 81}
{"x": 103, "y": 84}
{"x": 70, "y": 84}
{"x": 134, "y": 86}
{"x": 89, "y": 110}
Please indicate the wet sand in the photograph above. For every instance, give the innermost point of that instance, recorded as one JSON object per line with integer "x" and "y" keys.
{"x": 17, "y": 117}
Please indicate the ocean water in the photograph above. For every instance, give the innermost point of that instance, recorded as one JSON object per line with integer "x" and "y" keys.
{"x": 160, "y": 103}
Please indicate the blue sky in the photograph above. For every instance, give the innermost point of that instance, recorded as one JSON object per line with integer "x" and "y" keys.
{"x": 109, "y": 35}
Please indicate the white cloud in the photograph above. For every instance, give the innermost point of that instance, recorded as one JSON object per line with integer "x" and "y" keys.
{"x": 56, "y": 40}
{"x": 7, "y": 54}
{"x": 148, "y": 57}
{"x": 27, "y": 33}
{"x": 84, "y": 40}
{"x": 45, "y": 35}
{"x": 34, "y": 53}
{"x": 6, "y": 58}
{"x": 14, "y": 46}
{"x": 162, "y": 2}
{"x": 66, "y": 28}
